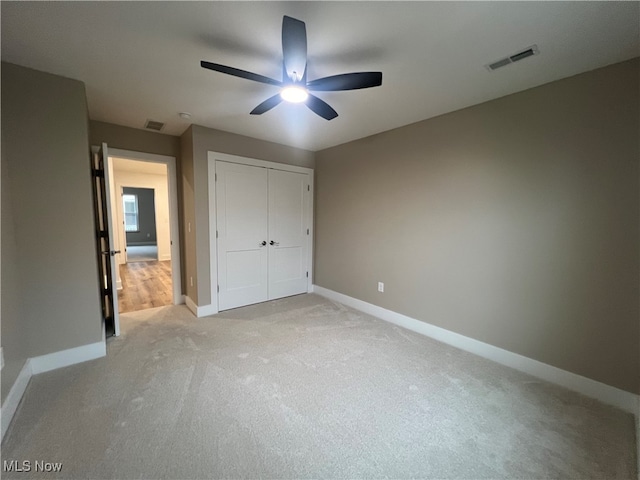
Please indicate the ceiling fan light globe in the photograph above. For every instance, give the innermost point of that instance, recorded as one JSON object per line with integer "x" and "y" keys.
{"x": 294, "y": 94}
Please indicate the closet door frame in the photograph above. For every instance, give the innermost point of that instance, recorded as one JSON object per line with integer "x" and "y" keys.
{"x": 213, "y": 244}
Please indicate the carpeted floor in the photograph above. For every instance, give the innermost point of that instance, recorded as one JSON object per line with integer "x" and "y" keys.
{"x": 306, "y": 388}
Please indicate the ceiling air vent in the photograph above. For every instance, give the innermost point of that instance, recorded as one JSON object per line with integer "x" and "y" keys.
{"x": 503, "y": 62}
{"x": 153, "y": 125}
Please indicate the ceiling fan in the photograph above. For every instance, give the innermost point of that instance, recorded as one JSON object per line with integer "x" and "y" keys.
{"x": 294, "y": 86}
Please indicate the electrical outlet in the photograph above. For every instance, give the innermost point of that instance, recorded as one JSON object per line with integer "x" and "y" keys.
{"x": 380, "y": 287}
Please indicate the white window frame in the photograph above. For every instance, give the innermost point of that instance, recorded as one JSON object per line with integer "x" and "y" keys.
{"x": 136, "y": 212}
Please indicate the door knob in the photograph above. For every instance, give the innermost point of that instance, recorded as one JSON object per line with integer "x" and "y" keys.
{"x": 263, "y": 243}
{"x": 274, "y": 243}
{"x": 112, "y": 252}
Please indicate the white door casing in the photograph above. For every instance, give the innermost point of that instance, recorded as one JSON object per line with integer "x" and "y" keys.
{"x": 172, "y": 187}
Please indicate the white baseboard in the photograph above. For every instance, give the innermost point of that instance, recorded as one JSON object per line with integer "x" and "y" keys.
{"x": 15, "y": 395}
{"x": 199, "y": 311}
{"x": 64, "y": 358}
{"x": 119, "y": 284}
{"x": 165, "y": 257}
{"x": 605, "y": 393}
{"x": 45, "y": 363}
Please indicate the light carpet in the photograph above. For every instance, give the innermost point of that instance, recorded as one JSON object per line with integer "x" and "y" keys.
{"x": 306, "y": 388}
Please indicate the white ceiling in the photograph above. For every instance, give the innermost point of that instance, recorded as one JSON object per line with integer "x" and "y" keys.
{"x": 134, "y": 166}
{"x": 141, "y": 60}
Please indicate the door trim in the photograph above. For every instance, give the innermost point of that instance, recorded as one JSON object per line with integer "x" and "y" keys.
{"x": 213, "y": 245}
{"x": 172, "y": 177}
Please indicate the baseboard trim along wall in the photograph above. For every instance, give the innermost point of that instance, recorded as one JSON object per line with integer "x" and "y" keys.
{"x": 199, "y": 311}
{"x": 64, "y": 358}
{"x": 605, "y": 393}
{"x": 15, "y": 395}
{"x": 45, "y": 363}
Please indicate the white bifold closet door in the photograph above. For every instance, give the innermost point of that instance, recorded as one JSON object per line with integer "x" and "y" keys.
{"x": 263, "y": 236}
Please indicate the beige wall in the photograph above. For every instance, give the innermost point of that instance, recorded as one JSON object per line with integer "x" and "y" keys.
{"x": 14, "y": 331}
{"x": 188, "y": 225}
{"x": 135, "y": 139}
{"x": 196, "y": 142}
{"x": 45, "y": 145}
{"x": 514, "y": 222}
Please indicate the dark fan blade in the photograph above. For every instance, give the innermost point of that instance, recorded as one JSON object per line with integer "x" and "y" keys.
{"x": 294, "y": 48}
{"x": 267, "y": 105}
{"x": 347, "y": 81}
{"x": 321, "y": 107}
{"x": 236, "y": 72}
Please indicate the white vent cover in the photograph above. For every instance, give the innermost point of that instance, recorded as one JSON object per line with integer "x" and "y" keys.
{"x": 153, "y": 125}
{"x": 503, "y": 62}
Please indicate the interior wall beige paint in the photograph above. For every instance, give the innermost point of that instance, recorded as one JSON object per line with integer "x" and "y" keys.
{"x": 514, "y": 222}
{"x": 203, "y": 140}
{"x": 14, "y": 334}
{"x": 137, "y": 140}
{"x": 45, "y": 142}
{"x": 188, "y": 225}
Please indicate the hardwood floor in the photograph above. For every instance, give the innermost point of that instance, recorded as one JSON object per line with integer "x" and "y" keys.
{"x": 145, "y": 285}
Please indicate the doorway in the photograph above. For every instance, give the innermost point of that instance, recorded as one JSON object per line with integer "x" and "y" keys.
{"x": 261, "y": 226}
{"x": 143, "y": 198}
{"x": 262, "y": 233}
{"x": 140, "y": 226}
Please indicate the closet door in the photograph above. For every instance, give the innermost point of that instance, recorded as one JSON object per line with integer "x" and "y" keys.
{"x": 241, "y": 204}
{"x": 288, "y": 233}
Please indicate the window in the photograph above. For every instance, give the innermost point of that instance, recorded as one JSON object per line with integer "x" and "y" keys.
{"x": 130, "y": 213}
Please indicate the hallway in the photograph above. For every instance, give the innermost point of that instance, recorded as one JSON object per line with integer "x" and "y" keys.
{"x": 142, "y": 253}
{"x": 145, "y": 285}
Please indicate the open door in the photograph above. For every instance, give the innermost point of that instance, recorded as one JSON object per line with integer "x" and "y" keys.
{"x": 104, "y": 233}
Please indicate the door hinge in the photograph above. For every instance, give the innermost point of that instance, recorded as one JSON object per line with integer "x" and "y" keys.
{"x": 307, "y": 274}
{"x": 218, "y": 288}
{"x": 307, "y": 231}
{"x": 308, "y": 188}
{"x": 215, "y": 177}
{"x": 216, "y": 233}
{"x": 98, "y": 172}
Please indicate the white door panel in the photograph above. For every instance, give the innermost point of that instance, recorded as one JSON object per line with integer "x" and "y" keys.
{"x": 241, "y": 191}
{"x": 263, "y": 233}
{"x": 112, "y": 235}
{"x": 288, "y": 194}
